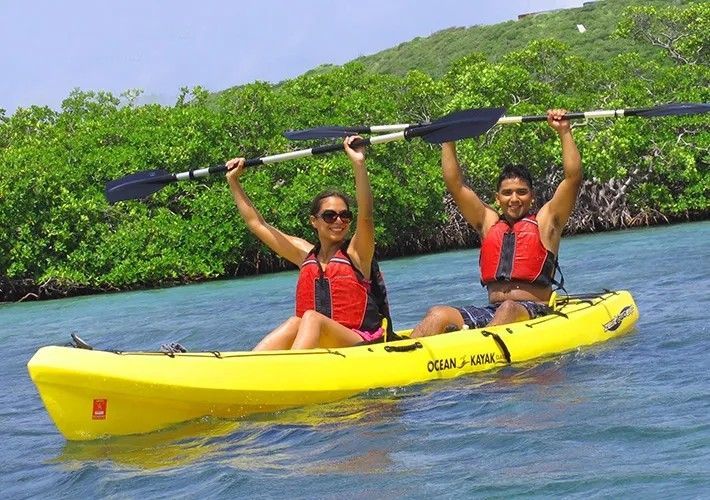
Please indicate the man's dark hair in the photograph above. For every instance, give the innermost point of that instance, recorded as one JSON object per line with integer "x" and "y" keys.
{"x": 515, "y": 172}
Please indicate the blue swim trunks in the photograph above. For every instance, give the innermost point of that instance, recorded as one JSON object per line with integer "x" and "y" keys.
{"x": 478, "y": 317}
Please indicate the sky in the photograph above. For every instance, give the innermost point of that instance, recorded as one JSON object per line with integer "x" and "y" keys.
{"x": 50, "y": 47}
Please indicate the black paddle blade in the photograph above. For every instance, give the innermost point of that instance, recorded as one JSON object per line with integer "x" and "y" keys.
{"x": 139, "y": 185}
{"x": 459, "y": 125}
{"x": 325, "y": 132}
{"x": 673, "y": 109}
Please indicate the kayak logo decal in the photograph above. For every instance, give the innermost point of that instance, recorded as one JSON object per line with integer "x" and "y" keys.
{"x": 438, "y": 365}
{"x": 616, "y": 320}
{"x": 98, "y": 411}
{"x": 482, "y": 359}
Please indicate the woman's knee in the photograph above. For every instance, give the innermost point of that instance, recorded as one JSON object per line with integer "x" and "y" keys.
{"x": 292, "y": 321}
{"x": 281, "y": 337}
{"x": 311, "y": 324}
{"x": 309, "y": 331}
{"x": 311, "y": 316}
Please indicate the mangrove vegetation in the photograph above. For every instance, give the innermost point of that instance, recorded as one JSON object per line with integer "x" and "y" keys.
{"x": 59, "y": 236}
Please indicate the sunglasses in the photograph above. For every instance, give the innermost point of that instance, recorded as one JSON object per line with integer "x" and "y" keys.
{"x": 330, "y": 216}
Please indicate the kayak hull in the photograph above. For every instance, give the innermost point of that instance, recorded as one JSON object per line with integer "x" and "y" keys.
{"x": 91, "y": 394}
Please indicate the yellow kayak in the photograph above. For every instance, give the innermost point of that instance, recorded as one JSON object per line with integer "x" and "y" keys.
{"x": 92, "y": 394}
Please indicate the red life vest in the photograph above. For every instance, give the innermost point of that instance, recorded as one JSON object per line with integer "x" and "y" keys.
{"x": 340, "y": 292}
{"x": 515, "y": 252}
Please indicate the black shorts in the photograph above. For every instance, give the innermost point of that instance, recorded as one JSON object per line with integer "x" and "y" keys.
{"x": 478, "y": 317}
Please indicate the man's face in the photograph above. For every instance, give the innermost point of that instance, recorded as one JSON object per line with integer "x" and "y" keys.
{"x": 515, "y": 198}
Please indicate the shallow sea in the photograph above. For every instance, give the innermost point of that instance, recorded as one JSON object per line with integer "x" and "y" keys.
{"x": 630, "y": 417}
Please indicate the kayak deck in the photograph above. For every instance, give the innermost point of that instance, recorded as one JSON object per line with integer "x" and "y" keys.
{"x": 91, "y": 394}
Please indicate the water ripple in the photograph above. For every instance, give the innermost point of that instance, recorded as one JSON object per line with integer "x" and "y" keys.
{"x": 620, "y": 420}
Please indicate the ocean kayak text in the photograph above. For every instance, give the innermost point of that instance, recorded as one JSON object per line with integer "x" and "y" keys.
{"x": 438, "y": 365}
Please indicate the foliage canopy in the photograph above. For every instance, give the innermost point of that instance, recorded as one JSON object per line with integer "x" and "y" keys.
{"x": 58, "y": 235}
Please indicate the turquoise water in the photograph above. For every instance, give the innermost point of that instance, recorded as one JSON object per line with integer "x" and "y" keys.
{"x": 629, "y": 417}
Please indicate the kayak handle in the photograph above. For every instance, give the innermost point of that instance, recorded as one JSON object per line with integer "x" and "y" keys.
{"x": 403, "y": 348}
{"x": 501, "y": 345}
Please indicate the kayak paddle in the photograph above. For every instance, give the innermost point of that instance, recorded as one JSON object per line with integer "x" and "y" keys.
{"x": 672, "y": 109}
{"x": 452, "y": 127}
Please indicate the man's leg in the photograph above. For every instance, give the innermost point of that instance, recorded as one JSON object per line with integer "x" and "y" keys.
{"x": 509, "y": 311}
{"x": 437, "y": 320}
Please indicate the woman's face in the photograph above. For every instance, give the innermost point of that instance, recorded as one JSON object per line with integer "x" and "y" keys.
{"x": 332, "y": 220}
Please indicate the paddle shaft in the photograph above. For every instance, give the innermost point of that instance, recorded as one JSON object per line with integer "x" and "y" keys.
{"x": 466, "y": 123}
{"x": 291, "y": 155}
{"x": 507, "y": 120}
{"x": 397, "y": 133}
{"x": 606, "y": 113}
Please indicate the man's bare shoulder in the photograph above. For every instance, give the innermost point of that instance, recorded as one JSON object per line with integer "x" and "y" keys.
{"x": 550, "y": 232}
{"x": 490, "y": 219}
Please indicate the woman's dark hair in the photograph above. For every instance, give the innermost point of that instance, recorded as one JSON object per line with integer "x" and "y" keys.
{"x": 515, "y": 172}
{"x": 316, "y": 203}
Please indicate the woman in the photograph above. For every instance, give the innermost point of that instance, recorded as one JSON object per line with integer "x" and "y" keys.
{"x": 335, "y": 305}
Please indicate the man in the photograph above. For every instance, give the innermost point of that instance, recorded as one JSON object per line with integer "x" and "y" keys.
{"x": 518, "y": 249}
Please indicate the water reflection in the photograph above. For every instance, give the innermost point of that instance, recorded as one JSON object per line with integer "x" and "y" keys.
{"x": 259, "y": 442}
{"x": 175, "y": 447}
{"x": 315, "y": 439}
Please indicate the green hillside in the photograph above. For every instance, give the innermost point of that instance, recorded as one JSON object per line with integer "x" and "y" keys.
{"x": 60, "y": 237}
{"x": 434, "y": 54}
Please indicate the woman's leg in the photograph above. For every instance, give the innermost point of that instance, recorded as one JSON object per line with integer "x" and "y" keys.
{"x": 316, "y": 330}
{"x": 281, "y": 337}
